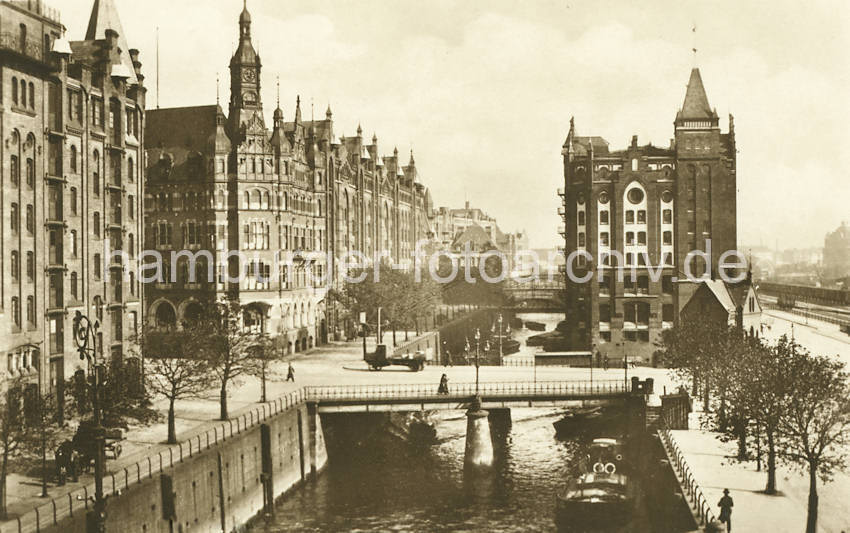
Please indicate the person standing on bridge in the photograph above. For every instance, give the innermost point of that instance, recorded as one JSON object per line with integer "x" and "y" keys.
{"x": 444, "y": 385}
{"x": 726, "y": 505}
{"x": 290, "y": 373}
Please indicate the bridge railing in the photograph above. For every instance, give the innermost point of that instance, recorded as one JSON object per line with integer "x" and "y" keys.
{"x": 467, "y": 390}
{"x": 693, "y": 492}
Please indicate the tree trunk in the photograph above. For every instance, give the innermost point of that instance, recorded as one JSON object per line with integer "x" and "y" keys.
{"x": 694, "y": 385}
{"x": 406, "y": 333}
{"x": 812, "y": 514}
{"x": 172, "y": 430}
{"x": 263, "y": 385}
{"x": 705, "y": 396}
{"x": 3, "y": 514}
{"x": 222, "y": 399}
{"x": 771, "y": 463}
{"x": 722, "y": 420}
{"x": 742, "y": 438}
{"x": 394, "y": 341}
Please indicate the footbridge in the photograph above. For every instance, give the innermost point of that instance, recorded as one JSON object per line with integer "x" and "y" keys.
{"x": 491, "y": 395}
{"x": 537, "y": 295}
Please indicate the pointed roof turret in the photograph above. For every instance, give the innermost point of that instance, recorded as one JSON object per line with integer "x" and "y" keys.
{"x": 245, "y": 52}
{"x": 298, "y": 109}
{"x": 104, "y": 16}
{"x": 359, "y": 131}
{"x": 695, "y": 106}
{"x": 329, "y": 114}
{"x": 412, "y": 161}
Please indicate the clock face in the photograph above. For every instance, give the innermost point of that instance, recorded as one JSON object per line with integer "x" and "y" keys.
{"x": 248, "y": 75}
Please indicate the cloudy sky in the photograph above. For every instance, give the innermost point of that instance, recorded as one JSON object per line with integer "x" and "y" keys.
{"x": 483, "y": 91}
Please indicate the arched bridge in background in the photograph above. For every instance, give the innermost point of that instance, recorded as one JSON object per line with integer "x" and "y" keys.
{"x": 536, "y": 296}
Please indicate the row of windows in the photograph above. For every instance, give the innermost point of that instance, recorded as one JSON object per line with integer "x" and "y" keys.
{"x": 631, "y": 286}
{"x": 20, "y": 92}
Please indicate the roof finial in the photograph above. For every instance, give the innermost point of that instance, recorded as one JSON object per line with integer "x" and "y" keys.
{"x": 329, "y": 114}
{"x": 694, "y": 47}
{"x": 359, "y": 130}
{"x": 278, "y": 91}
{"x": 217, "y": 89}
{"x": 312, "y": 118}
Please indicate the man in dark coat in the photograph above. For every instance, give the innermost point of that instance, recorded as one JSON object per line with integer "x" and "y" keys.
{"x": 726, "y": 505}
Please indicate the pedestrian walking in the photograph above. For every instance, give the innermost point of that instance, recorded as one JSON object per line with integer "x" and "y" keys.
{"x": 444, "y": 385}
{"x": 726, "y": 505}
{"x": 605, "y": 363}
{"x": 290, "y": 373}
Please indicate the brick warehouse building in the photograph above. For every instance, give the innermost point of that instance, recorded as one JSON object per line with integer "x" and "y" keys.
{"x": 72, "y": 124}
{"x": 663, "y": 202}
{"x": 220, "y": 182}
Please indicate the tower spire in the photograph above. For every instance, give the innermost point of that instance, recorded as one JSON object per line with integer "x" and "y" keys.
{"x": 278, "y": 89}
{"x": 217, "y": 89}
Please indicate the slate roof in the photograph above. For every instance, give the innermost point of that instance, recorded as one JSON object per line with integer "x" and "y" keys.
{"x": 476, "y": 235}
{"x": 696, "y": 104}
{"x": 181, "y": 130}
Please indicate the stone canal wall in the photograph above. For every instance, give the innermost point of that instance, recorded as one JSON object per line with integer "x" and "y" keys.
{"x": 217, "y": 487}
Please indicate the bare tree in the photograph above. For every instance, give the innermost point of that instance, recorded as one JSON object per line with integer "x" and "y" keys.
{"x": 177, "y": 379}
{"x": 815, "y": 425}
{"x": 11, "y": 437}
{"x": 265, "y": 354}
{"x": 221, "y": 339}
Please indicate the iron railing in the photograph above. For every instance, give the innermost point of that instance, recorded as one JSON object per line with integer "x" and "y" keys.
{"x": 694, "y": 493}
{"x": 144, "y": 465}
{"x": 493, "y": 390}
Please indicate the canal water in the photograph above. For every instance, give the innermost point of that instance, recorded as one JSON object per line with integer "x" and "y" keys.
{"x": 390, "y": 486}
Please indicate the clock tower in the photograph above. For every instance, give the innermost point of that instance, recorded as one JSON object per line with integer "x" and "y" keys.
{"x": 246, "y": 108}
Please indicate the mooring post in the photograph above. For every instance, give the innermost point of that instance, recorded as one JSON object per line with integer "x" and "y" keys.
{"x": 479, "y": 443}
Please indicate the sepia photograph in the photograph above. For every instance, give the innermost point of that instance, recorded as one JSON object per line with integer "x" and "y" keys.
{"x": 280, "y": 266}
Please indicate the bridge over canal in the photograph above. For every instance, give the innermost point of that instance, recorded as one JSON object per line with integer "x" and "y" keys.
{"x": 491, "y": 395}
{"x": 537, "y": 295}
{"x": 478, "y": 399}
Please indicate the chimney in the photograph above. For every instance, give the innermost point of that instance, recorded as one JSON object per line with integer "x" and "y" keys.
{"x": 111, "y": 38}
{"x": 634, "y": 141}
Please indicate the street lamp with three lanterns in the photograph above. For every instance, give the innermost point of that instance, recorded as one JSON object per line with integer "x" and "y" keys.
{"x": 85, "y": 336}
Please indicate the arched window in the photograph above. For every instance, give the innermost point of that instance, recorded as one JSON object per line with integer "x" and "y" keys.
{"x": 32, "y": 96}
{"x": 74, "y": 293}
{"x": 15, "y": 265}
{"x": 23, "y": 93}
{"x": 265, "y": 201}
{"x": 15, "y": 90}
{"x": 246, "y": 200}
{"x": 73, "y": 157}
{"x": 131, "y": 169}
{"x": 96, "y": 224}
{"x": 255, "y": 199}
{"x": 131, "y": 245}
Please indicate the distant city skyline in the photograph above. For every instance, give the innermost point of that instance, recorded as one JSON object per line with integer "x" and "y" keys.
{"x": 486, "y": 111}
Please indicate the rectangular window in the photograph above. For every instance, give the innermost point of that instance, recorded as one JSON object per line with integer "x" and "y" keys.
{"x": 667, "y": 216}
{"x": 604, "y": 313}
{"x": 630, "y": 217}
{"x": 641, "y": 238}
{"x": 667, "y": 284}
{"x": 667, "y": 312}
{"x": 603, "y": 239}
{"x": 57, "y": 335}
{"x": 97, "y": 266}
{"x": 603, "y": 217}
{"x": 643, "y": 284}
{"x": 630, "y": 238}
{"x": 629, "y": 284}
{"x": 667, "y": 237}
{"x": 641, "y": 216}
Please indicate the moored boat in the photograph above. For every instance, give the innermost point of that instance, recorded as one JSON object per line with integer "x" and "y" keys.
{"x": 595, "y": 500}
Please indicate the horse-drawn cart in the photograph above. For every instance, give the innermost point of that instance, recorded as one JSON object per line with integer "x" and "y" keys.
{"x": 77, "y": 455}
